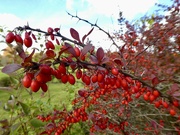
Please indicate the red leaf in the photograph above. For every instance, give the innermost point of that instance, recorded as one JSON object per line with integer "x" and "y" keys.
{"x": 104, "y": 60}
{"x": 86, "y": 49}
{"x": 93, "y": 59}
{"x": 57, "y": 41}
{"x": 84, "y": 37}
{"x": 33, "y": 36}
{"x": 50, "y": 45}
{"x": 63, "y": 49}
{"x": 100, "y": 54}
{"x": 75, "y": 34}
{"x": 10, "y": 68}
{"x": 70, "y": 49}
{"x": 29, "y": 58}
{"x": 155, "y": 81}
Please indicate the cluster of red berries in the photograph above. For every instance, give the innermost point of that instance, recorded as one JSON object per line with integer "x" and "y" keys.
{"x": 10, "y": 37}
{"x": 67, "y": 118}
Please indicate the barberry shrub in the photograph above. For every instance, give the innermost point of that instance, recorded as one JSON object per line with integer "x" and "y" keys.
{"x": 134, "y": 90}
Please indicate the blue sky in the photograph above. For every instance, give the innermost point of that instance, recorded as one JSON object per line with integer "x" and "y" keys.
{"x": 44, "y": 13}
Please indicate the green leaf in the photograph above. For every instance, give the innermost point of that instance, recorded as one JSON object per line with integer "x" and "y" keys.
{"x": 25, "y": 108}
{"x": 36, "y": 123}
{"x": 15, "y": 127}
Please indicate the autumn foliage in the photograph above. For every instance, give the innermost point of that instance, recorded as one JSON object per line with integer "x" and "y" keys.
{"x": 134, "y": 90}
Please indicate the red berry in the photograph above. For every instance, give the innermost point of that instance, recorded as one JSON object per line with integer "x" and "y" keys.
{"x": 10, "y": 37}
{"x": 35, "y": 85}
{"x": 50, "y": 45}
{"x": 44, "y": 87}
{"x": 176, "y": 103}
{"x": 94, "y": 78}
{"x": 71, "y": 79}
{"x": 156, "y": 93}
{"x": 64, "y": 78}
{"x": 157, "y": 104}
{"x": 146, "y": 97}
{"x": 50, "y": 30}
{"x": 76, "y": 49}
{"x": 172, "y": 112}
{"x": 26, "y": 81}
{"x": 19, "y": 39}
{"x": 151, "y": 97}
{"x": 114, "y": 71}
{"x": 86, "y": 79}
{"x": 100, "y": 77}
{"x": 82, "y": 93}
{"x": 41, "y": 78}
{"x": 124, "y": 84}
{"x": 62, "y": 68}
{"x": 45, "y": 69}
{"x": 165, "y": 104}
{"x": 50, "y": 54}
{"x": 78, "y": 74}
{"x": 28, "y": 41}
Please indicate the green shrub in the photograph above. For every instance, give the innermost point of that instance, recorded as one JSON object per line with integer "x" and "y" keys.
{"x": 5, "y": 81}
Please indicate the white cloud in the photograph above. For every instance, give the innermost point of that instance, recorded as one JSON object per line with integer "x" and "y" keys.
{"x": 129, "y": 7}
{"x": 69, "y": 4}
{"x": 11, "y": 21}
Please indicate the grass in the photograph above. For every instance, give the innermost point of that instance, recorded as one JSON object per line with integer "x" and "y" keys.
{"x": 58, "y": 96}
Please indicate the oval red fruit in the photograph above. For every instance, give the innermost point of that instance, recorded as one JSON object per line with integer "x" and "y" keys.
{"x": 156, "y": 93}
{"x": 145, "y": 96}
{"x": 64, "y": 78}
{"x": 19, "y": 39}
{"x": 10, "y": 37}
{"x": 44, "y": 87}
{"x": 50, "y": 30}
{"x": 35, "y": 85}
{"x": 76, "y": 49}
{"x": 28, "y": 41}
{"x": 114, "y": 71}
{"x": 78, "y": 74}
{"x": 26, "y": 81}
{"x": 172, "y": 112}
{"x": 176, "y": 103}
{"x": 71, "y": 79}
{"x": 62, "y": 68}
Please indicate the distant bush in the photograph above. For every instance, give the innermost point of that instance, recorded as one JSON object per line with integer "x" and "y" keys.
{"x": 5, "y": 81}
